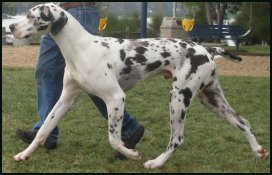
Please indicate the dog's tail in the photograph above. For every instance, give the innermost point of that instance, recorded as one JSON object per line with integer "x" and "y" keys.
{"x": 215, "y": 51}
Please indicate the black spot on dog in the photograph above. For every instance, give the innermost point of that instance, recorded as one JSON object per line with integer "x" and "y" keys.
{"x": 165, "y": 54}
{"x": 175, "y": 79}
{"x": 62, "y": 14}
{"x": 187, "y": 95}
{"x": 120, "y": 40}
{"x": 179, "y": 138}
{"x": 242, "y": 129}
{"x": 116, "y": 109}
{"x": 202, "y": 86}
{"x": 126, "y": 70}
{"x": 213, "y": 73}
{"x": 140, "y": 59}
{"x": 122, "y": 54}
{"x": 183, "y": 45}
{"x": 192, "y": 50}
{"x": 109, "y": 66}
{"x": 105, "y": 44}
{"x": 240, "y": 120}
{"x": 128, "y": 61}
{"x": 172, "y": 110}
{"x": 42, "y": 28}
{"x": 210, "y": 50}
{"x": 192, "y": 44}
{"x": 175, "y": 145}
{"x": 196, "y": 61}
{"x": 44, "y": 17}
{"x": 166, "y": 62}
{"x": 34, "y": 9}
{"x": 141, "y": 50}
{"x": 41, "y": 8}
{"x": 145, "y": 43}
{"x": 153, "y": 66}
{"x": 112, "y": 130}
{"x": 182, "y": 116}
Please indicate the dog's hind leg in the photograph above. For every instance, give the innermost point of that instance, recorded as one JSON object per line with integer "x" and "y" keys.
{"x": 213, "y": 97}
{"x": 183, "y": 90}
{"x": 68, "y": 96}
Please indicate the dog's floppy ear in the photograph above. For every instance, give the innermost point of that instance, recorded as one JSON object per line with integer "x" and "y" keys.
{"x": 45, "y": 14}
{"x": 59, "y": 24}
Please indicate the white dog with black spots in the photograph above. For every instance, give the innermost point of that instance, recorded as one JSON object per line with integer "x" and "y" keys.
{"x": 108, "y": 67}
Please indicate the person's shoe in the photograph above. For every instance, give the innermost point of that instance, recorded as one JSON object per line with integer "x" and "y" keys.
{"x": 131, "y": 142}
{"x": 28, "y": 137}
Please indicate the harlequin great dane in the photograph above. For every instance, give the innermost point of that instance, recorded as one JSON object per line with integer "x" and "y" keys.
{"x": 107, "y": 67}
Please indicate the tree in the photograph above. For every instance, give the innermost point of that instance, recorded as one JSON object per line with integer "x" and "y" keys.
{"x": 195, "y": 10}
{"x": 216, "y": 11}
{"x": 212, "y": 12}
{"x": 260, "y": 22}
{"x": 131, "y": 22}
{"x": 154, "y": 27}
{"x": 9, "y": 8}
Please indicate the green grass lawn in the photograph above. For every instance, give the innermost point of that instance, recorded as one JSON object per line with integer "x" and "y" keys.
{"x": 211, "y": 143}
{"x": 250, "y": 49}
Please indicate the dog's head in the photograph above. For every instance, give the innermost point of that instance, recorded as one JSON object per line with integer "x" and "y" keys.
{"x": 41, "y": 18}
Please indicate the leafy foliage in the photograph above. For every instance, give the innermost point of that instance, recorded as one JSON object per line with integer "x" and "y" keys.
{"x": 154, "y": 27}
{"x": 260, "y": 22}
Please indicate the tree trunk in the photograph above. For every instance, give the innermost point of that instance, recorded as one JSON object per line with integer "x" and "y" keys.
{"x": 208, "y": 13}
{"x": 220, "y": 12}
{"x": 215, "y": 12}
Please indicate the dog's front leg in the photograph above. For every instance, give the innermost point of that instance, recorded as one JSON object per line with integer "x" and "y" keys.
{"x": 115, "y": 107}
{"x": 68, "y": 96}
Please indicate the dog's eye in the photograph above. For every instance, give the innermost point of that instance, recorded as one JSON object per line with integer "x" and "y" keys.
{"x": 29, "y": 16}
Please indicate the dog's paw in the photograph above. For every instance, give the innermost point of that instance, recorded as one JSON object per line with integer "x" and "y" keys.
{"x": 20, "y": 157}
{"x": 262, "y": 153}
{"x": 152, "y": 164}
{"x": 135, "y": 155}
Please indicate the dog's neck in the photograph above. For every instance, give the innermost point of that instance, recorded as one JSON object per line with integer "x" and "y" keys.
{"x": 68, "y": 34}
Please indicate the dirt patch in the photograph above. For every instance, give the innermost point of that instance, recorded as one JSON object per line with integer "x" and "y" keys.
{"x": 24, "y": 56}
{"x": 255, "y": 66}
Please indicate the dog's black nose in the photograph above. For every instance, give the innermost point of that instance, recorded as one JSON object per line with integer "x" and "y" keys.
{"x": 12, "y": 26}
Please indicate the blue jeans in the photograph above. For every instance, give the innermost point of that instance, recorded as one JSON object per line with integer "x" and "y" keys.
{"x": 50, "y": 70}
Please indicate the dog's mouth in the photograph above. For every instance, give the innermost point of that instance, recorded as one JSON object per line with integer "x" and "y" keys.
{"x": 20, "y": 35}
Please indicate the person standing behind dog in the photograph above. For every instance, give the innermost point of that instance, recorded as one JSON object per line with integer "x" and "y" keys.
{"x": 49, "y": 73}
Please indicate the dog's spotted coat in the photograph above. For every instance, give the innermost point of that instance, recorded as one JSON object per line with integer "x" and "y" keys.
{"x": 107, "y": 67}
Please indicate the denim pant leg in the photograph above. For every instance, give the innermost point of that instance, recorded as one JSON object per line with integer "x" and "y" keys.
{"x": 130, "y": 124}
{"x": 49, "y": 78}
